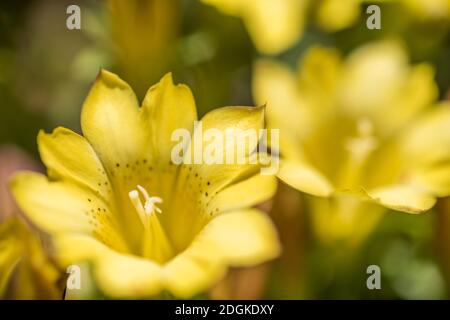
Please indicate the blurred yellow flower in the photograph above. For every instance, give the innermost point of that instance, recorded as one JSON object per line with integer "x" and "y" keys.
{"x": 431, "y": 9}
{"x": 274, "y": 25}
{"x": 25, "y": 269}
{"x": 335, "y": 15}
{"x": 364, "y": 127}
{"x": 113, "y": 197}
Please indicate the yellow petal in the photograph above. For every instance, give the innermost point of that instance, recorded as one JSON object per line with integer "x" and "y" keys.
{"x": 347, "y": 218}
{"x": 26, "y": 272}
{"x": 167, "y": 107}
{"x": 58, "y": 208}
{"x": 68, "y": 156}
{"x": 437, "y": 9}
{"x": 235, "y": 117}
{"x": 374, "y": 74}
{"x": 193, "y": 271}
{"x": 274, "y": 25}
{"x": 10, "y": 253}
{"x": 197, "y": 183}
{"x": 318, "y": 75}
{"x": 403, "y": 198}
{"x": 247, "y": 120}
{"x": 338, "y": 14}
{"x": 394, "y": 92}
{"x": 246, "y": 124}
{"x": 244, "y": 194}
{"x": 117, "y": 275}
{"x": 427, "y": 142}
{"x": 110, "y": 122}
{"x": 241, "y": 238}
{"x": 418, "y": 93}
{"x": 277, "y": 86}
{"x": 426, "y": 148}
{"x": 433, "y": 178}
{"x": 304, "y": 178}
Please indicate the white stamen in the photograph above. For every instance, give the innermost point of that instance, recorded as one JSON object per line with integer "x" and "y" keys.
{"x": 365, "y": 127}
{"x": 143, "y": 191}
{"x": 146, "y": 210}
{"x": 365, "y": 142}
{"x": 150, "y": 206}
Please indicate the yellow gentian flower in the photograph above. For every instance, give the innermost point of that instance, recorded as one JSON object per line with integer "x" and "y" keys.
{"x": 432, "y": 9}
{"x": 364, "y": 127}
{"x": 113, "y": 196}
{"x": 274, "y": 25}
{"x": 26, "y": 272}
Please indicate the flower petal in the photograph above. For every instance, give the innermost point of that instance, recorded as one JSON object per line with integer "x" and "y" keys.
{"x": 58, "y": 208}
{"x": 193, "y": 271}
{"x": 117, "y": 275}
{"x": 277, "y": 86}
{"x": 25, "y": 264}
{"x": 110, "y": 122}
{"x": 247, "y": 120}
{"x": 403, "y": 198}
{"x": 273, "y": 25}
{"x": 304, "y": 178}
{"x": 80, "y": 165}
{"x": 247, "y": 193}
{"x": 426, "y": 150}
{"x": 434, "y": 178}
{"x": 166, "y": 108}
{"x": 337, "y": 14}
{"x": 241, "y": 238}
{"x": 428, "y": 141}
{"x": 196, "y": 184}
{"x": 10, "y": 252}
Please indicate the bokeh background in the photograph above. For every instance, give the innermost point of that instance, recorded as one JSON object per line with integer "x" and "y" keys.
{"x": 46, "y": 71}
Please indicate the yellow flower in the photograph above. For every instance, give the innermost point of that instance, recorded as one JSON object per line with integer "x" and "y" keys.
{"x": 361, "y": 127}
{"x": 113, "y": 196}
{"x": 25, "y": 269}
{"x": 335, "y": 15}
{"x": 274, "y": 25}
{"x": 432, "y": 9}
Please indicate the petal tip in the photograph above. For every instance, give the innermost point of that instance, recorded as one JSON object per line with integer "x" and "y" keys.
{"x": 110, "y": 79}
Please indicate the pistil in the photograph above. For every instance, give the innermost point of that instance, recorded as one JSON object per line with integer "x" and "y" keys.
{"x": 156, "y": 245}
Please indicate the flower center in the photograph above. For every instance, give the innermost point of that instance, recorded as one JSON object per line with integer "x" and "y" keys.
{"x": 155, "y": 243}
{"x": 145, "y": 211}
{"x": 360, "y": 147}
{"x": 365, "y": 142}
